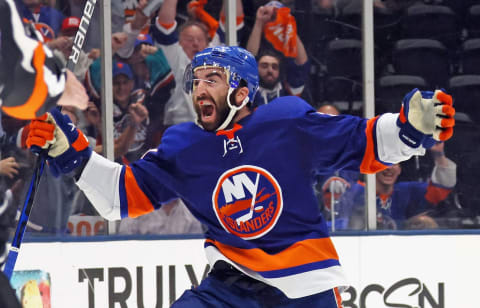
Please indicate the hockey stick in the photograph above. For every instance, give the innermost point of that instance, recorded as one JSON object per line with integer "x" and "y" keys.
{"x": 23, "y": 220}
{"x": 81, "y": 34}
{"x": 40, "y": 162}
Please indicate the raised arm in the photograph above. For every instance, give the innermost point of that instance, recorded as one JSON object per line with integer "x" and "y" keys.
{"x": 302, "y": 56}
{"x": 264, "y": 15}
{"x": 445, "y": 171}
{"x": 168, "y": 11}
{"x": 112, "y": 188}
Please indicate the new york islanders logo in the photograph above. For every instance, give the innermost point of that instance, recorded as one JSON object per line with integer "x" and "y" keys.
{"x": 247, "y": 201}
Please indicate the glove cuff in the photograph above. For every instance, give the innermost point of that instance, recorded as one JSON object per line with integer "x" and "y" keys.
{"x": 410, "y": 135}
{"x": 69, "y": 161}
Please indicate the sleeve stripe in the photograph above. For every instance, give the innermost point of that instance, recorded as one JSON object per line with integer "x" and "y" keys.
{"x": 166, "y": 26}
{"x": 164, "y": 36}
{"x": 436, "y": 194}
{"x": 166, "y": 29}
{"x": 137, "y": 202}
{"x": 81, "y": 143}
{"x": 299, "y": 254}
{"x": 37, "y": 98}
{"x": 370, "y": 164}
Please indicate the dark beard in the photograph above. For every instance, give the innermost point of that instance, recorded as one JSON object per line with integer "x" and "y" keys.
{"x": 223, "y": 116}
{"x": 221, "y": 112}
{"x": 268, "y": 85}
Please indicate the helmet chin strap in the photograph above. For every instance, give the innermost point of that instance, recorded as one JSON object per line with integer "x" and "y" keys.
{"x": 233, "y": 109}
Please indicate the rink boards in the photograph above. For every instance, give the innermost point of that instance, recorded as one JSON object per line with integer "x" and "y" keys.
{"x": 422, "y": 271}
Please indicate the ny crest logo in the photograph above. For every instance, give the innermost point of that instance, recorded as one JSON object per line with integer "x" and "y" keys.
{"x": 232, "y": 143}
{"x": 247, "y": 201}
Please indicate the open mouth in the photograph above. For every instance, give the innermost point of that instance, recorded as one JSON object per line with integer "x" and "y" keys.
{"x": 207, "y": 109}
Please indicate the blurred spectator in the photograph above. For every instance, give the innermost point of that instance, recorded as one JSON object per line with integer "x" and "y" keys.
{"x": 273, "y": 81}
{"x": 130, "y": 10}
{"x": 172, "y": 218}
{"x": 152, "y": 73}
{"x": 397, "y": 202}
{"x": 328, "y": 194}
{"x": 93, "y": 123}
{"x": 130, "y": 116}
{"x": 328, "y": 109}
{"x": 9, "y": 167}
{"x": 62, "y": 47}
{"x": 216, "y": 29}
{"x": 16, "y": 162}
{"x": 421, "y": 222}
{"x": 179, "y": 47}
{"x": 329, "y": 188}
{"x": 152, "y": 76}
{"x": 134, "y": 26}
{"x": 47, "y": 20}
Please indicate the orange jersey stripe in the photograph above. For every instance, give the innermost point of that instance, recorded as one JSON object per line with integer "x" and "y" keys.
{"x": 300, "y": 253}
{"x": 138, "y": 203}
{"x": 369, "y": 163}
{"x": 39, "y": 94}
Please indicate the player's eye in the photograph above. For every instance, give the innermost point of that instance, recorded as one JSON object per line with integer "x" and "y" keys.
{"x": 211, "y": 82}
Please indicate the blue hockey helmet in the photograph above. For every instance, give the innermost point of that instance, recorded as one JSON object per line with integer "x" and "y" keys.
{"x": 237, "y": 62}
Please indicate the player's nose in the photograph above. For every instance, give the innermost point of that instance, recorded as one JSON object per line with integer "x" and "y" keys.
{"x": 201, "y": 87}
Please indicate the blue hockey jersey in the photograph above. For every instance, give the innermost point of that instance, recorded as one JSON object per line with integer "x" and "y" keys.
{"x": 252, "y": 186}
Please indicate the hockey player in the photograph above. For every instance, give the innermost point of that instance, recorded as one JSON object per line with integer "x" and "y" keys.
{"x": 248, "y": 177}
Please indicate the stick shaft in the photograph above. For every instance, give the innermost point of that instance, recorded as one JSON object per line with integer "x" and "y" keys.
{"x": 81, "y": 35}
{"x": 22, "y": 221}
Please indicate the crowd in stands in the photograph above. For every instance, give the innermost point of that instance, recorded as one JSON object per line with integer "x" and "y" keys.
{"x": 310, "y": 49}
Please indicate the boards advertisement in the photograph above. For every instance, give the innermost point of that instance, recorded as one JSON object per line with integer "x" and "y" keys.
{"x": 421, "y": 271}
